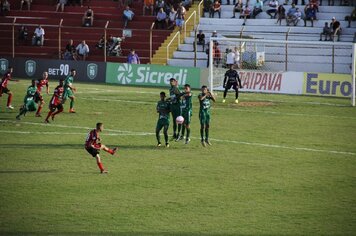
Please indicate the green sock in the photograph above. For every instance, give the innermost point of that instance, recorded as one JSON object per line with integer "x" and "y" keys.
{"x": 206, "y": 133}
{"x": 188, "y": 133}
{"x": 202, "y": 134}
{"x": 158, "y": 137}
{"x": 71, "y": 104}
{"x": 183, "y": 130}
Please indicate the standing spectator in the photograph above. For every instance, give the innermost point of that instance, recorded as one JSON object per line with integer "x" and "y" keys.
{"x": 172, "y": 18}
{"x": 127, "y": 16}
{"x": 23, "y": 33}
{"x": 273, "y": 8}
{"x": 88, "y": 17}
{"x": 38, "y": 36}
{"x": 82, "y": 50}
{"x": 351, "y": 17}
{"x": 70, "y": 52}
{"x": 310, "y": 14}
{"x": 237, "y": 8}
{"x": 216, "y": 54}
{"x": 61, "y": 4}
{"x": 180, "y": 17}
{"x": 281, "y": 11}
{"x": 5, "y": 7}
{"x": 335, "y": 29}
{"x": 161, "y": 19}
{"x": 245, "y": 14}
{"x": 216, "y": 7}
{"x": 133, "y": 58}
{"x": 28, "y": 2}
{"x": 201, "y": 39}
{"x": 230, "y": 58}
{"x": 148, "y": 5}
{"x": 257, "y": 9}
{"x": 326, "y": 32}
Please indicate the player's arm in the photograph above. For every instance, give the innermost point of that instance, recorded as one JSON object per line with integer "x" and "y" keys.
{"x": 239, "y": 80}
{"x": 225, "y": 78}
{"x": 47, "y": 88}
{"x": 211, "y": 96}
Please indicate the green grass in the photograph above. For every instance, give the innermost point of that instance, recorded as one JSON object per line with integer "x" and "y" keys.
{"x": 284, "y": 169}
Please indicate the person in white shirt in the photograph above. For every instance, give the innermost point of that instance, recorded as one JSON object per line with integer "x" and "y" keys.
{"x": 128, "y": 16}
{"x": 38, "y": 36}
{"x": 82, "y": 50}
{"x": 273, "y": 6}
{"x": 230, "y": 58}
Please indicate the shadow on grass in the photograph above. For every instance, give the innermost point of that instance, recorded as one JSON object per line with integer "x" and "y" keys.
{"x": 26, "y": 171}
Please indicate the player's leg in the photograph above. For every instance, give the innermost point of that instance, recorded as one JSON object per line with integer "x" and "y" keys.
{"x": 9, "y": 98}
{"x": 236, "y": 92}
{"x": 59, "y": 110}
{"x": 158, "y": 130}
{"x": 207, "y": 126}
{"x": 100, "y": 165}
{"x": 179, "y": 136}
{"x": 40, "y": 102}
{"x": 165, "y": 133}
{"x": 108, "y": 150}
{"x": 187, "y": 127}
{"x": 23, "y": 111}
{"x": 71, "y": 105}
{"x": 52, "y": 108}
{"x": 202, "y": 127}
{"x": 174, "y": 124}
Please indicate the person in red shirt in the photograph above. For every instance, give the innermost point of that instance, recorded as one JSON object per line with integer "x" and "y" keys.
{"x": 40, "y": 84}
{"x": 3, "y": 86}
{"x": 93, "y": 146}
{"x": 56, "y": 102}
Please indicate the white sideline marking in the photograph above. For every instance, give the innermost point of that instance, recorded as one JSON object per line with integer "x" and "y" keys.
{"x": 133, "y": 133}
{"x": 66, "y": 133}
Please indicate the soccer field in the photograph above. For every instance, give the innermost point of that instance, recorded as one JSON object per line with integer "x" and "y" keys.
{"x": 278, "y": 165}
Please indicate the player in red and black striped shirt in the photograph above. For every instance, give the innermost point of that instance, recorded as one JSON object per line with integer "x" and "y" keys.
{"x": 93, "y": 146}
{"x": 56, "y": 102}
{"x": 3, "y": 86}
{"x": 40, "y": 84}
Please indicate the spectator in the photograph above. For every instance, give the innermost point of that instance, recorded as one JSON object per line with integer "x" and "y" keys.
{"x": 28, "y": 2}
{"x": 335, "y": 29}
{"x": 61, "y": 4}
{"x": 230, "y": 58}
{"x": 295, "y": 2}
{"x": 5, "y": 7}
{"x": 257, "y": 9}
{"x": 234, "y": 2}
{"x": 207, "y": 6}
{"x": 315, "y": 3}
{"x": 70, "y": 52}
{"x": 180, "y": 17}
{"x": 148, "y": 5}
{"x": 281, "y": 11}
{"x": 23, "y": 33}
{"x": 114, "y": 48}
{"x": 82, "y": 51}
{"x": 38, "y": 36}
{"x": 133, "y": 58}
{"x": 273, "y": 8}
{"x": 351, "y": 17}
{"x": 127, "y": 16}
{"x": 216, "y": 7}
{"x": 237, "y": 56}
{"x": 159, "y": 4}
{"x": 292, "y": 15}
{"x": 245, "y": 14}
{"x": 100, "y": 44}
{"x": 201, "y": 39}
{"x": 172, "y": 18}
{"x": 161, "y": 19}
{"x": 237, "y": 8}
{"x": 216, "y": 54}
{"x": 88, "y": 17}
{"x": 326, "y": 32}
{"x": 310, "y": 14}
{"x": 187, "y": 3}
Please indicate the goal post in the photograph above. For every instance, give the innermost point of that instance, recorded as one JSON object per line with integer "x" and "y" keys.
{"x": 297, "y": 59}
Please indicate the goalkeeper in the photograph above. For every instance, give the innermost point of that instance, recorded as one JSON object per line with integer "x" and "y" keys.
{"x": 232, "y": 79}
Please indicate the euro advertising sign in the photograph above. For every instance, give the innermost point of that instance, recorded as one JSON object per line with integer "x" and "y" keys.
{"x": 334, "y": 85}
{"x": 151, "y": 75}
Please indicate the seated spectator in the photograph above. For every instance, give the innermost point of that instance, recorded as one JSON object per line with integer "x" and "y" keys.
{"x": 82, "y": 51}
{"x": 101, "y": 43}
{"x": 38, "y": 36}
{"x": 257, "y": 9}
{"x": 88, "y": 17}
{"x": 326, "y": 32}
{"x": 127, "y": 15}
{"x": 28, "y": 3}
{"x": 201, "y": 39}
{"x": 161, "y": 19}
{"x": 23, "y": 33}
{"x": 281, "y": 12}
{"x": 70, "y": 52}
{"x": 148, "y": 5}
{"x": 133, "y": 58}
{"x": 180, "y": 17}
{"x": 61, "y": 3}
{"x": 207, "y": 6}
{"x": 216, "y": 7}
{"x": 292, "y": 15}
{"x": 172, "y": 18}
{"x": 273, "y": 8}
{"x": 351, "y": 17}
{"x": 245, "y": 14}
{"x": 310, "y": 14}
{"x": 114, "y": 46}
{"x": 237, "y": 8}
{"x": 159, "y": 4}
{"x": 5, "y": 7}
{"x": 335, "y": 29}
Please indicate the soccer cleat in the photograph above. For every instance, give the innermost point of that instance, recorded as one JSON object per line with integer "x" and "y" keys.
{"x": 104, "y": 172}
{"x": 71, "y": 110}
{"x": 18, "y": 117}
{"x": 167, "y": 145}
{"x": 159, "y": 144}
{"x": 207, "y": 142}
{"x": 187, "y": 141}
{"x": 114, "y": 150}
{"x": 46, "y": 121}
{"x": 237, "y": 101}
{"x": 179, "y": 137}
{"x": 203, "y": 143}
{"x": 38, "y": 115}
{"x": 223, "y": 101}
{"x": 10, "y": 107}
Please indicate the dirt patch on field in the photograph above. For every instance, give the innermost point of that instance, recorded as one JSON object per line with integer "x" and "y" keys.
{"x": 255, "y": 104}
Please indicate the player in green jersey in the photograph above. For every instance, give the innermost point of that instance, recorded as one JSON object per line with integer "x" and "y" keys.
{"x": 186, "y": 109}
{"x": 174, "y": 94}
{"x": 69, "y": 90}
{"x": 29, "y": 100}
{"x": 163, "y": 109}
{"x": 204, "y": 113}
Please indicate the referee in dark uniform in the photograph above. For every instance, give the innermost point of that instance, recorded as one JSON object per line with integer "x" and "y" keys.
{"x": 232, "y": 79}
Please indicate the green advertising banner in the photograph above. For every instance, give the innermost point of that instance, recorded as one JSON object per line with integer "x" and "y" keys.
{"x": 151, "y": 75}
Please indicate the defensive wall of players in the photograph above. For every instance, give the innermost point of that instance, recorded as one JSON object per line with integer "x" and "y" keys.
{"x": 302, "y": 83}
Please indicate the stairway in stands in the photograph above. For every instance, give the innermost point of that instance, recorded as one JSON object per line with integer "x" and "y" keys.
{"x": 43, "y": 12}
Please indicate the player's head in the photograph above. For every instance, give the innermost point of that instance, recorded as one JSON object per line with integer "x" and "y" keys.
{"x": 187, "y": 88}
{"x": 61, "y": 81}
{"x": 204, "y": 89}
{"x": 73, "y": 72}
{"x": 33, "y": 82}
{"x": 99, "y": 126}
{"x": 162, "y": 95}
{"x": 172, "y": 81}
{"x": 45, "y": 75}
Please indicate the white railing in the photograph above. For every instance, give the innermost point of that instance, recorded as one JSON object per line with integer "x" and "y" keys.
{"x": 194, "y": 13}
{"x": 172, "y": 40}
